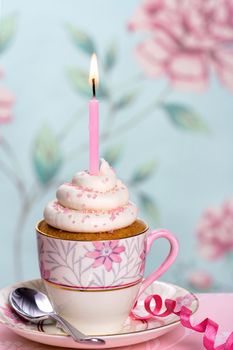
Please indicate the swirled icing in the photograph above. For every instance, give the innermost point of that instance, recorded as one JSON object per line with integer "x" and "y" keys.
{"x": 91, "y": 203}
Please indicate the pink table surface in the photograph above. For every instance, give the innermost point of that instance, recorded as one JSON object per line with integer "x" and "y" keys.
{"x": 218, "y": 307}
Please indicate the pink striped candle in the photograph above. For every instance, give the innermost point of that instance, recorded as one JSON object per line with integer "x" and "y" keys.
{"x": 94, "y": 120}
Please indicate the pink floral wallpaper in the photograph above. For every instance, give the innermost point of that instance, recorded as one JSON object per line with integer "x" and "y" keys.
{"x": 166, "y": 83}
{"x": 187, "y": 40}
{"x": 214, "y": 232}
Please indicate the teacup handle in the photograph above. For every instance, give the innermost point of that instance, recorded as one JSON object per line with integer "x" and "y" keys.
{"x": 174, "y": 248}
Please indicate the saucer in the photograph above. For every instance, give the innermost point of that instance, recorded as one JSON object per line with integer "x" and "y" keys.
{"x": 133, "y": 332}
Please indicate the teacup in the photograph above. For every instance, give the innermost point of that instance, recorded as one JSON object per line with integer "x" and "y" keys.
{"x": 93, "y": 280}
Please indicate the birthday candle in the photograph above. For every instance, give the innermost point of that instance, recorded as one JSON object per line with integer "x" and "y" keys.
{"x": 94, "y": 120}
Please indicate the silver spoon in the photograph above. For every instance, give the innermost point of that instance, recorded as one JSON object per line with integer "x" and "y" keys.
{"x": 35, "y": 306}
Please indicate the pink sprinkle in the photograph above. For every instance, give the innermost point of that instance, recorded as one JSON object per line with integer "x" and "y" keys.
{"x": 70, "y": 216}
{"x": 94, "y": 196}
{"x": 56, "y": 206}
{"x": 89, "y": 196}
{"x": 79, "y": 195}
{"x": 95, "y": 225}
{"x": 86, "y": 189}
{"x": 70, "y": 184}
{"x": 73, "y": 222}
{"x": 85, "y": 217}
{"x": 112, "y": 217}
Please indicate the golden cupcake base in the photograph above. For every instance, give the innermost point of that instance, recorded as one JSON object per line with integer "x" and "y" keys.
{"x": 136, "y": 228}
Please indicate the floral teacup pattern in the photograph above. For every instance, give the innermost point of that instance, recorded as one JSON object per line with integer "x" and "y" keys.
{"x": 106, "y": 253}
{"x": 92, "y": 264}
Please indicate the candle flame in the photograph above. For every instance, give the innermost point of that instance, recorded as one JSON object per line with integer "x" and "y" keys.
{"x": 94, "y": 73}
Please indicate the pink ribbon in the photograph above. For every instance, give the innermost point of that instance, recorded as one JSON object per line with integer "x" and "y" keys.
{"x": 207, "y": 326}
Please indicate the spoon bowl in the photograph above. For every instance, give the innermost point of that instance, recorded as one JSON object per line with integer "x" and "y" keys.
{"x": 24, "y": 303}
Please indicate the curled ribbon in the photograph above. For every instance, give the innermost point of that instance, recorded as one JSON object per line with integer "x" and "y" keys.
{"x": 207, "y": 326}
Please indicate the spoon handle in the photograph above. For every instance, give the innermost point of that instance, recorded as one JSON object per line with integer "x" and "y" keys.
{"x": 74, "y": 332}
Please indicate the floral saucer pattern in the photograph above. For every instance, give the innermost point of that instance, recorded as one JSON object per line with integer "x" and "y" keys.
{"x": 133, "y": 332}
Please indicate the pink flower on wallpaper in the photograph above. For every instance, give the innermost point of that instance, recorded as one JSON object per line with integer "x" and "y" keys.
{"x": 106, "y": 253}
{"x": 215, "y": 231}
{"x": 10, "y": 314}
{"x": 188, "y": 39}
{"x": 6, "y": 102}
{"x": 200, "y": 280}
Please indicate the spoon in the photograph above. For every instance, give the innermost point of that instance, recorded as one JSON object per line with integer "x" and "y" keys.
{"x": 35, "y": 306}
